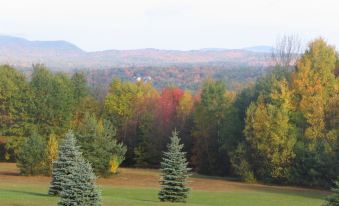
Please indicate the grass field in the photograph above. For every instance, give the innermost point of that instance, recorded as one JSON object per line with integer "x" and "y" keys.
{"x": 139, "y": 187}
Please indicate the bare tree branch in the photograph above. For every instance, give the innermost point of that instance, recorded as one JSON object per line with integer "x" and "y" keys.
{"x": 286, "y": 51}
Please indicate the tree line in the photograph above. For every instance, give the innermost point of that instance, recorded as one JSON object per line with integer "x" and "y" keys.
{"x": 281, "y": 129}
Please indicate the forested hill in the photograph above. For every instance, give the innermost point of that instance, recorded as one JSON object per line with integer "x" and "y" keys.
{"x": 281, "y": 129}
{"x": 62, "y": 55}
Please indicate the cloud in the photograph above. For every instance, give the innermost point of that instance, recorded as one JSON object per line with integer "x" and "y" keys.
{"x": 167, "y": 11}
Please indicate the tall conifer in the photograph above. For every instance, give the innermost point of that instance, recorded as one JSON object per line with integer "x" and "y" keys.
{"x": 73, "y": 178}
{"x": 174, "y": 172}
{"x": 67, "y": 156}
{"x": 79, "y": 187}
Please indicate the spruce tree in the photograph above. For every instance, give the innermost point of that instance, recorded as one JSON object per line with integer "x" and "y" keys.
{"x": 68, "y": 156}
{"x": 333, "y": 200}
{"x": 79, "y": 187}
{"x": 174, "y": 172}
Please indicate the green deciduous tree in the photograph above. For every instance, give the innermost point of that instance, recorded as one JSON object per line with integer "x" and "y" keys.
{"x": 209, "y": 154}
{"x": 15, "y": 103}
{"x": 86, "y": 105}
{"x": 174, "y": 172}
{"x": 53, "y": 100}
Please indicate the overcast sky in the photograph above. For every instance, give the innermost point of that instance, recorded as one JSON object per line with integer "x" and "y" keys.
{"x": 169, "y": 24}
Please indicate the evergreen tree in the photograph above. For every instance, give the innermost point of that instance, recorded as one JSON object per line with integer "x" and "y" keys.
{"x": 79, "y": 187}
{"x": 31, "y": 156}
{"x": 73, "y": 177}
{"x": 80, "y": 88}
{"x": 146, "y": 151}
{"x": 68, "y": 156}
{"x": 333, "y": 200}
{"x": 99, "y": 145}
{"x": 108, "y": 148}
{"x": 174, "y": 172}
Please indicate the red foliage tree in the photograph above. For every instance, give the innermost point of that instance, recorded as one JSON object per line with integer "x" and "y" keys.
{"x": 167, "y": 104}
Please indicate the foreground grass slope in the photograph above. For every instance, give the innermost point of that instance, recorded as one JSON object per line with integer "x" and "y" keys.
{"x": 138, "y": 187}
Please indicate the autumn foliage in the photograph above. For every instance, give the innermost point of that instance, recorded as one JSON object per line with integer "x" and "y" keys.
{"x": 282, "y": 128}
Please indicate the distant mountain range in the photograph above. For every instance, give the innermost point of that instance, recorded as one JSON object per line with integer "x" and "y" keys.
{"x": 62, "y": 55}
{"x": 262, "y": 48}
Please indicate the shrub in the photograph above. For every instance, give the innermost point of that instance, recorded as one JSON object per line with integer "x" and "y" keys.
{"x": 240, "y": 164}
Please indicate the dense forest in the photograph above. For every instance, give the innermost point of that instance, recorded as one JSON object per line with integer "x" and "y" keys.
{"x": 282, "y": 128}
{"x": 186, "y": 77}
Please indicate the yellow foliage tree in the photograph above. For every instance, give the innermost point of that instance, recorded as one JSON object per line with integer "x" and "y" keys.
{"x": 270, "y": 132}
{"x": 114, "y": 164}
{"x": 314, "y": 84}
{"x": 52, "y": 152}
{"x": 185, "y": 105}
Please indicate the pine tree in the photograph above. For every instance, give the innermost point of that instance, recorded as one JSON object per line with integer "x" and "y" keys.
{"x": 79, "y": 187}
{"x": 99, "y": 145}
{"x": 31, "y": 156}
{"x": 174, "y": 172}
{"x": 67, "y": 156}
{"x": 333, "y": 200}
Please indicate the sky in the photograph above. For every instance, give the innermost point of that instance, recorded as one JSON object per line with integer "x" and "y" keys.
{"x": 169, "y": 24}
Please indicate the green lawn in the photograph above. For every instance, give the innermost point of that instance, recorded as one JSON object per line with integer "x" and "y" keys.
{"x": 28, "y": 191}
{"x": 32, "y": 194}
{"x": 149, "y": 197}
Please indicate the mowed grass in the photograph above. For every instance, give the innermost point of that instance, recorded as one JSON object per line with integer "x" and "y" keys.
{"x": 137, "y": 187}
